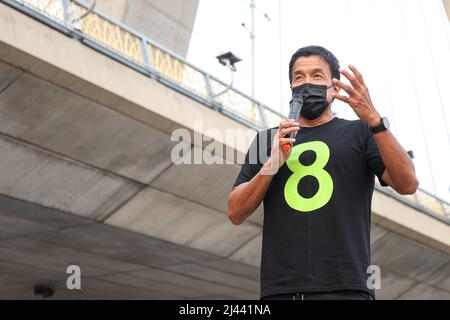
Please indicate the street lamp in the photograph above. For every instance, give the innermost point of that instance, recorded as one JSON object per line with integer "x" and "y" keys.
{"x": 228, "y": 59}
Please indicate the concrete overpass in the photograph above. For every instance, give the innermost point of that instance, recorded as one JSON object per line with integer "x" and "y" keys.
{"x": 168, "y": 22}
{"x": 86, "y": 176}
{"x": 447, "y": 7}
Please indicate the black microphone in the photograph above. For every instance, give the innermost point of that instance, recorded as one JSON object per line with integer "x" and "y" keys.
{"x": 296, "y": 105}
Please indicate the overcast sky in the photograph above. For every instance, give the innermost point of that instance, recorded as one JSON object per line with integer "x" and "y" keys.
{"x": 402, "y": 48}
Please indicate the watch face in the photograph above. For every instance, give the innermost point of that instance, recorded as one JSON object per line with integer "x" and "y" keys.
{"x": 385, "y": 123}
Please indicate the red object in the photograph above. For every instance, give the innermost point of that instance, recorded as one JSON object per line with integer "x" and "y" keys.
{"x": 286, "y": 147}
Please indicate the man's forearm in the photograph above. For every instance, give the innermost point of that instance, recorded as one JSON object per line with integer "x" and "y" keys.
{"x": 246, "y": 198}
{"x": 397, "y": 162}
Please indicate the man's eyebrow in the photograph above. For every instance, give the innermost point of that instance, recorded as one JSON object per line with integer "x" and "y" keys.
{"x": 318, "y": 70}
{"x": 321, "y": 70}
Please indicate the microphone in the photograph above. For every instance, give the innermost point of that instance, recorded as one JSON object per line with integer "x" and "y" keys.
{"x": 296, "y": 105}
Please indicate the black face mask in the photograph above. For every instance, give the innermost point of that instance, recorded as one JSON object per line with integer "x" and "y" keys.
{"x": 314, "y": 99}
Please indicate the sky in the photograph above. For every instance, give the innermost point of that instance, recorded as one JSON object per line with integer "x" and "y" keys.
{"x": 401, "y": 47}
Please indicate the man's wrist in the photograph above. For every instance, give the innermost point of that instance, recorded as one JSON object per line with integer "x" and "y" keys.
{"x": 374, "y": 121}
{"x": 267, "y": 168}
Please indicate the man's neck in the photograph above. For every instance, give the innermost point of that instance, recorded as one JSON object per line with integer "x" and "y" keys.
{"x": 323, "y": 118}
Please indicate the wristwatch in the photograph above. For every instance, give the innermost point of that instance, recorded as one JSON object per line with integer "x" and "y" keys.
{"x": 383, "y": 126}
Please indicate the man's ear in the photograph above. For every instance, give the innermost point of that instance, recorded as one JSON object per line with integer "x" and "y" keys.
{"x": 336, "y": 89}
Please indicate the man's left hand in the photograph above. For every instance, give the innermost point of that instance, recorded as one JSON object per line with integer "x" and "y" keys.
{"x": 358, "y": 96}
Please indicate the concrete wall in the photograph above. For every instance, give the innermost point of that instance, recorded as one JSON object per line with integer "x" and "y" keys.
{"x": 447, "y": 7}
{"x": 86, "y": 178}
{"x": 168, "y": 22}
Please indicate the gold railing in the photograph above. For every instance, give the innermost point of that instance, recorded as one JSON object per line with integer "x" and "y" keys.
{"x": 423, "y": 201}
{"x": 109, "y": 34}
{"x": 53, "y": 9}
{"x": 138, "y": 49}
{"x": 177, "y": 71}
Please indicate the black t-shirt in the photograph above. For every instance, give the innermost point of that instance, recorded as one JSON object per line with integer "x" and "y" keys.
{"x": 317, "y": 209}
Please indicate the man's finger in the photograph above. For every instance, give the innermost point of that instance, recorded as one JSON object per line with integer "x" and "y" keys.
{"x": 344, "y": 86}
{"x": 287, "y": 123}
{"x": 357, "y": 74}
{"x": 285, "y": 131}
{"x": 287, "y": 140}
{"x": 342, "y": 98}
{"x": 284, "y": 122}
{"x": 355, "y": 83}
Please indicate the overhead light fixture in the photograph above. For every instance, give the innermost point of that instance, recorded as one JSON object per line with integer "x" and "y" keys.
{"x": 228, "y": 59}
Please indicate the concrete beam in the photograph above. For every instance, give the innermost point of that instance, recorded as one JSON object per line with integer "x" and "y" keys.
{"x": 168, "y": 22}
{"x": 32, "y": 46}
{"x": 395, "y": 216}
{"x": 447, "y": 7}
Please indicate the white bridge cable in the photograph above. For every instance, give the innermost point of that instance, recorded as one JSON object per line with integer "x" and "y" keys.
{"x": 417, "y": 99}
{"x": 386, "y": 73}
{"x": 444, "y": 116}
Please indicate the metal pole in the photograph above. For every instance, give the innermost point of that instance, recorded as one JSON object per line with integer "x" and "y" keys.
{"x": 69, "y": 18}
{"x": 67, "y": 11}
{"x": 281, "y": 58}
{"x": 252, "y": 37}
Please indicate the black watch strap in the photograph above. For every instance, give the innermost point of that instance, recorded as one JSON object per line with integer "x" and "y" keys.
{"x": 382, "y": 126}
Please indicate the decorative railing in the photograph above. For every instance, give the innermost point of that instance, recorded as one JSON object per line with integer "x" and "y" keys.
{"x": 137, "y": 51}
{"x": 424, "y": 201}
{"x": 157, "y": 60}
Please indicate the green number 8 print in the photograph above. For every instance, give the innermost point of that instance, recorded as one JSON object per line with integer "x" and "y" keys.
{"x": 316, "y": 169}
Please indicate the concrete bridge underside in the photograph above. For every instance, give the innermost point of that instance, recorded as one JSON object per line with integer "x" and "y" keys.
{"x": 86, "y": 178}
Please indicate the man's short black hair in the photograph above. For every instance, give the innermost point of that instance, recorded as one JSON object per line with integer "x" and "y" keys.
{"x": 316, "y": 51}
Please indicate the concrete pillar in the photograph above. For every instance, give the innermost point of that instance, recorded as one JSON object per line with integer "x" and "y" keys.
{"x": 168, "y": 22}
{"x": 447, "y": 7}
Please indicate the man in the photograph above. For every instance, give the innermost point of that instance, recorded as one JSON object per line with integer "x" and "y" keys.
{"x": 317, "y": 194}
